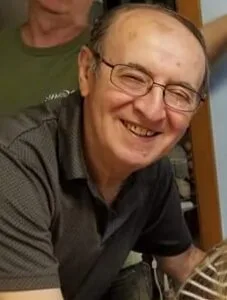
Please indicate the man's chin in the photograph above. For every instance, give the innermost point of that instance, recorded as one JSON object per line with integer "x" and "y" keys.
{"x": 136, "y": 163}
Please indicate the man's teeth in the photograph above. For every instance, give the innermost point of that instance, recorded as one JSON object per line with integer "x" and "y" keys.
{"x": 138, "y": 130}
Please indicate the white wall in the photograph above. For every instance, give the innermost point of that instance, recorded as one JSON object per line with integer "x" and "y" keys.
{"x": 218, "y": 103}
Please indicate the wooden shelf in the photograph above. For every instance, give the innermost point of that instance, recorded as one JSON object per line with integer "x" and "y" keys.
{"x": 203, "y": 156}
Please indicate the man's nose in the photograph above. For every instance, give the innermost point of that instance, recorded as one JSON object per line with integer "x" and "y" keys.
{"x": 152, "y": 105}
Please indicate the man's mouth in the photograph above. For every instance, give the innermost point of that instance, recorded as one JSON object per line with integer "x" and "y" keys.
{"x": 139, "y": 130}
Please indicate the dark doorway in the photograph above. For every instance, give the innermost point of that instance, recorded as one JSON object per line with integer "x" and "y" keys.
{"x": 108, "y": 4}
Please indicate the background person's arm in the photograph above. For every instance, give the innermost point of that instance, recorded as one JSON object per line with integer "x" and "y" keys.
{"x": 49, "y": 294}
{"x": 215, "y": 34}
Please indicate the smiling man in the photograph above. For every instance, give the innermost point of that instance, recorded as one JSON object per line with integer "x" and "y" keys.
{"x": 84, "y": 179}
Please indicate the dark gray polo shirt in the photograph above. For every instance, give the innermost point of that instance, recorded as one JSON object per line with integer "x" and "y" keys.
{"x": 55, "y": 230}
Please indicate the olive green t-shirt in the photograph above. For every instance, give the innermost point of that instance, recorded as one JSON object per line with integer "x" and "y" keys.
{"x": 30, "y": 75}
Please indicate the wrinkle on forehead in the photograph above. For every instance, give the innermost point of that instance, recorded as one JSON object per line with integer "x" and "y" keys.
{"x": 133, "y": 33}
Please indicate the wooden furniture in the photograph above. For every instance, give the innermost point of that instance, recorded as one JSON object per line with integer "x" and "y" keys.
{"x": 203, "y": 156}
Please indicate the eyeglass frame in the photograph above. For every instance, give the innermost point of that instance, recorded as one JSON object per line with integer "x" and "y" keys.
{"x": 112, "y": 66}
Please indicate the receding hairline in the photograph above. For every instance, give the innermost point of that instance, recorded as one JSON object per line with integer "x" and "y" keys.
{"x": 131, "y": 10}
{"x": 124, "y": 15}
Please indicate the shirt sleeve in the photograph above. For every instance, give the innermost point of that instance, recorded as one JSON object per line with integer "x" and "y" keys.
{"x": 165, "y": 233}
{"x": 27, "y": 261}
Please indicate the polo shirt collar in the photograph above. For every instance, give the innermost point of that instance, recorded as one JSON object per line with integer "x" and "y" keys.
{"x": 70, "y": 131}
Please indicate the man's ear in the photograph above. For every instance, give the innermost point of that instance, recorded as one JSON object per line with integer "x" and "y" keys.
{"x": 85, "y": 61}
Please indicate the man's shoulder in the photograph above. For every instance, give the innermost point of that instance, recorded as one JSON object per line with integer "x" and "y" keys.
{"x": 39, "y": 120}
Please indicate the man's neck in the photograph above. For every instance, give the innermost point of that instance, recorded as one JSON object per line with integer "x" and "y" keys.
{"x": 107, "y": 174}
{"x": 104, "y": 175}
{"x": 107, "y": 180}
{"x": 44, "y": 29}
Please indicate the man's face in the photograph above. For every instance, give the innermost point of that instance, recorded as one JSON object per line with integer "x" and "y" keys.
{"x": 136, "y": 131}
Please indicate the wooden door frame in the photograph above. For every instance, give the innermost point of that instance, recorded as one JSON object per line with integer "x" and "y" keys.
{"x": 203, "y": 155}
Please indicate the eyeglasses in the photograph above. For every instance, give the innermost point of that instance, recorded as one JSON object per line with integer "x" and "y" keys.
{"x": 137, "y": 83}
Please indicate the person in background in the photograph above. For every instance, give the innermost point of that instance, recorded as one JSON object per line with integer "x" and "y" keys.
{"x": 84, "y": 180}
{"x": 39, "y": 59}
{"x": 215, "y": 34}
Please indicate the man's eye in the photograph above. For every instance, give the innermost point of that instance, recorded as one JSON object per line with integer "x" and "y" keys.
{"x": 181, "y": 95}
{"x": 178, "y": 93}
{"x": 133, "y": 77}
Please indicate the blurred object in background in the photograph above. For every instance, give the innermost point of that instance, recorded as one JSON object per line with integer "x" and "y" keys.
{"x": 97, "y": 10}
{"x": 108, "y": 4}
{"x": 209, "y": 279}
{"x": 13, "y": 12}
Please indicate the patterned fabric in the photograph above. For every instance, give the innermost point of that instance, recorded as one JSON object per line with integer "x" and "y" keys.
{"x": 55, "y": 228}
{"x": 209, "y": 279}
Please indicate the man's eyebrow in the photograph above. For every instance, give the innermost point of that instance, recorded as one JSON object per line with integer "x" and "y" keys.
{"x": 140, "y": 68}
{"x": 184, "y": 84}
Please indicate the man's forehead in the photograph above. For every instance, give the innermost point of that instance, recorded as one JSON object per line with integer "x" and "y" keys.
{"x": 154, "y": 40}
{"x": 143, "y": 26}
{"x": 139, "y": 19}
